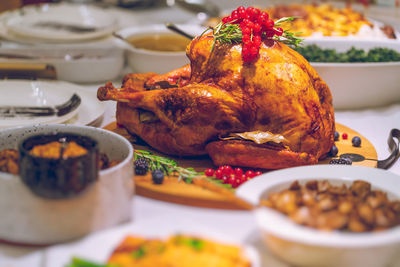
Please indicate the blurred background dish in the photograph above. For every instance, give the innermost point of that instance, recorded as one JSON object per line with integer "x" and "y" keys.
{"x": 98, "y": 248}
{"x": 80, "y": 64}
{"x": 35, "y": 220}
{"x": 34, "y": 94}
{"x": 49, "y": 93}
{"x": 146, "y": 42}
{"x": 59, "y": 22}
{"x": 304, "y": 246}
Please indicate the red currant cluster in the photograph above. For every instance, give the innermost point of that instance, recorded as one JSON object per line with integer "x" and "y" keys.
{"x": 234, "y": 177}
{"x": 254, "y": 25}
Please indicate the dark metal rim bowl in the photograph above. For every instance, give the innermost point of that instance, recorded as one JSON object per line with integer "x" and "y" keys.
{"x": 58, "y": 178}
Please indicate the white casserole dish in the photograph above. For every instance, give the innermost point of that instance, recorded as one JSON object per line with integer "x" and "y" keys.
{"x": 359, "y": 85}
{"x": 303, "y": 246}
{"x": 33, "y": 220}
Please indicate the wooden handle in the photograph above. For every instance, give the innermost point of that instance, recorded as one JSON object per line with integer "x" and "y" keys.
{"x": 18, "y": 70}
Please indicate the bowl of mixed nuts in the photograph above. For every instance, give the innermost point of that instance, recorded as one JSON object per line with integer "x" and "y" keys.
{"x": 328, "y": 215}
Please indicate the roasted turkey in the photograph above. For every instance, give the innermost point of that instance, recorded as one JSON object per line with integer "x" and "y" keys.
{"x": 199, "y": 108}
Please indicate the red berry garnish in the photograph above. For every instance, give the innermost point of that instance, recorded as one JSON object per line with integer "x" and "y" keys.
{"x": 257, "y": 173}
{"x": 235, "y": 14}
{"x": 227, "y": 170}
{"x": 269, "y": 24}
{"x": 238, "y": 171}
{"x": 209, "y": 172}
{"x": 250, "y": 174}
{"x": 243, "y": 178}
{"x": 344, "y": 136}
{"x": 218, "y": 174}
{"x": 232, "y": 180}
{"x": 225, "y": 179}
{"x": 257, "y": 28}
{"x": 278, "y": 31}
{"x": 246, "y": 30}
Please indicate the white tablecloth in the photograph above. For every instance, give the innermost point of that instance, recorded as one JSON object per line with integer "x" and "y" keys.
{"x": 161, "y": 217}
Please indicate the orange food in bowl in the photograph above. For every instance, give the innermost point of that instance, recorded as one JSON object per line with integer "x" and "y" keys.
{"x": 57, "y": 150}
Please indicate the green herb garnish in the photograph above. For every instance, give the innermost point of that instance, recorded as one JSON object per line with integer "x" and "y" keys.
{"x": 168, "y": 166}
{"x": 139, "y": 253}
{"x": 78, "y": 262}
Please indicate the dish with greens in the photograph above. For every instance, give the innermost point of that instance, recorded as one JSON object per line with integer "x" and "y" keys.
{"x": 314, "y": 53}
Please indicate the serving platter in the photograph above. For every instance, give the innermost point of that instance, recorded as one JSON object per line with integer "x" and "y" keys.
{"x": 98, "y": 247}
{"x": 201, "y": 193}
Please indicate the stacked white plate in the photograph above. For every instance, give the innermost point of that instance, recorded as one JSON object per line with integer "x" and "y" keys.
{"x": 22, "y": 93}
{"x": 76, "y": 39}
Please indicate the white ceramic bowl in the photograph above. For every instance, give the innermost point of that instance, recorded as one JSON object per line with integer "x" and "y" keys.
{"x": 141, "y": 60}
{"x": 303, "y": 246}
{"x": 359, "y": 85}
{"x": 30, "y": 219}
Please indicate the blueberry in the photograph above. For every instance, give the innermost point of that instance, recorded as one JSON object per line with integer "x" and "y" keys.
{"x": 356, "y": 141}
{"x": 334, "y": 150}
{"x": 157, "y": 176}
{"x": 343, "y": 161}
{"x": 336, "y": 136}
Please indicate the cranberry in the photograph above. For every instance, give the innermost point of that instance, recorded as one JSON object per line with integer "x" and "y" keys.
{"x": 269, "y": 24}
{"x": 250, "y": 174}
{"x": 227, "y": 170}
{"x": 218, "y": 174}
{"x": 257, "y": 173}
{"x": 238, "y": 171}
{"x": 225, "y": 179}
{"x": 209, "y": 172}
{"x": 232, "y": 180}
{"x": 278, "y": 31}
{"x": 243, "y": 178}
{"x": 344, "y": 136}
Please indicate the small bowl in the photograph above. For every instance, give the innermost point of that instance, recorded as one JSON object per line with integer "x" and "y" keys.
{"x": 142, "y": 61}
{"x": 359, "y": 85}
{"x": 58, "y": 178}
{"x": 304, "y": 246}
{"x": 34, "y": 220}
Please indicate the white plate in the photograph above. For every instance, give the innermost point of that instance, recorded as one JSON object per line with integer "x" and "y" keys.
{"x": 50, "y": 93}
{"x": 35, "y": 94}
{"x": 30, "y": 22}
{"x": 98, "y": 247}
{"x": 91, "y": 110}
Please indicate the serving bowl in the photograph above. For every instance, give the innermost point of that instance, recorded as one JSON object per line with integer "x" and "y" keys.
{"x": 31, "y": 219}
{"x": 359, "y": 85}
{"x": 143, "y": 60}
{"x": 303, "y": 246}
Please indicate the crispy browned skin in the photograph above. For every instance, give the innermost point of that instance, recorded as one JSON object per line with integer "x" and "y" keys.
{"x": 280, "y": 92}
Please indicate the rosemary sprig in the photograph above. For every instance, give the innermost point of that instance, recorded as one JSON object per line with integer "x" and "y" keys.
{"x": 168, "y": 166}
{"x": 229, "y": 33}
{"x": 288, "y": 37}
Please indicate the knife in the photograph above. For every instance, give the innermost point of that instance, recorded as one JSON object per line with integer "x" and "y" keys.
{"x": 32, "y": 111}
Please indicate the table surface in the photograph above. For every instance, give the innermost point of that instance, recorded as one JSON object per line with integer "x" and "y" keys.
{"x": 375, "y": 124}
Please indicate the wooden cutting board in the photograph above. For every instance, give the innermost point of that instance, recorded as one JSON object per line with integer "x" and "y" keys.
{"x": 206, "y": 194}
